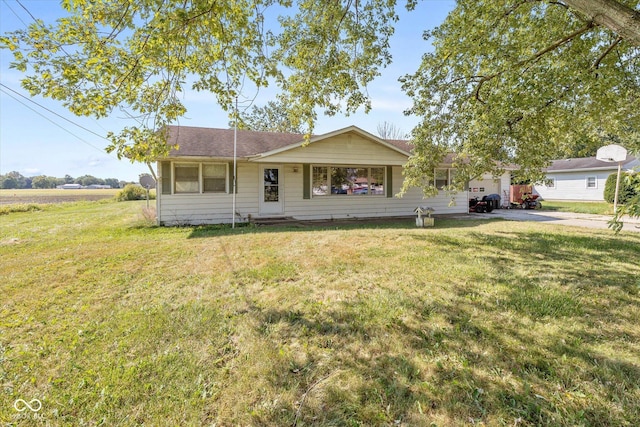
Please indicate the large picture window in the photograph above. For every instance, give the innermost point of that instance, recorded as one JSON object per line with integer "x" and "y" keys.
{"x": 347, "y": 181}
{"x": 320, "y": 182}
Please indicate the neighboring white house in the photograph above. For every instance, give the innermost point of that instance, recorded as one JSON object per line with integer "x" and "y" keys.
{"x": 348, "y": 173}
{"x": 580, "y": 179}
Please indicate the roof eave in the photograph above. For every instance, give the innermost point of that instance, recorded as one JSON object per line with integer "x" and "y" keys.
{"x": 598, "y": 169}
{"x": 201, "y": 158}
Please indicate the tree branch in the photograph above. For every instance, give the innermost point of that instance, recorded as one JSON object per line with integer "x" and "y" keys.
{"x": 115, "y": 31}
{"x": 511, "y": 122}
{"x": 597, "y": 62}
{"x": 557, "y": 3}
{"x": 611, "y": 14}
{"x": 535, "y": 57}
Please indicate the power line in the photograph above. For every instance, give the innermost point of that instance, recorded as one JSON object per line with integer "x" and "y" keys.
{"x": 51, "y": 121}
{"x": 61, "y": 48}
{"x": 52, "y": 112}
{"x": 14, "y": 12}
{"x": 27, "y": 10}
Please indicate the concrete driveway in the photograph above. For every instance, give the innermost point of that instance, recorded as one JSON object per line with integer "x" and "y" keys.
{"x": 561, "y": 218}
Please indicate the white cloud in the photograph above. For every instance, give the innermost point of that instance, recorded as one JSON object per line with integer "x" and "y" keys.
{"x": 31, "y": 171}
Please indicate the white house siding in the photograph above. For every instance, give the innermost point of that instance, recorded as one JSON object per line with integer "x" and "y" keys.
{"x": 216, "y": 208}
{"x": 345, "y": 149}
{"x": 212, "y": 208}
{"x": 573, "y": 186}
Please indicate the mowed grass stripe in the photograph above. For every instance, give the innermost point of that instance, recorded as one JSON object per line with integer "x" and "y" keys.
{"x": 110, "y": 320}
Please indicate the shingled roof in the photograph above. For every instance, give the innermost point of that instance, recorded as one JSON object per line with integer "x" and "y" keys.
{"x": 585, "y": 163}
{"x": 210, "y": 142}
{"x": 218, "y": 143}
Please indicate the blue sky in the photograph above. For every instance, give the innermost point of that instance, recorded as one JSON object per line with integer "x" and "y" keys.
{"x": 36, "y": 140}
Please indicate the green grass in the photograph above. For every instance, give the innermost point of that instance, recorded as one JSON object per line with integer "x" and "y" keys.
{"x": 109, "y": 320}
{"x": 595, "y": 208}
{"x": 20, "y": 207}
{"x": 53, "y": 192}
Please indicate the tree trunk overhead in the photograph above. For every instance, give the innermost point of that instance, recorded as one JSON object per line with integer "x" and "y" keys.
{"x": 611, "y": 14}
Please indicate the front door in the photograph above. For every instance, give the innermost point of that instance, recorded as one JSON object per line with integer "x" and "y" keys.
{"x": 271, "y": 190}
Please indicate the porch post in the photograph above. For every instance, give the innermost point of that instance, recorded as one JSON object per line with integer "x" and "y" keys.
{"x": 235, "y": 140}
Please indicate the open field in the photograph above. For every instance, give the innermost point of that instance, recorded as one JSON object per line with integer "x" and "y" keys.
{"x": 108, "y": 320}
{"x": 46, "y": 196}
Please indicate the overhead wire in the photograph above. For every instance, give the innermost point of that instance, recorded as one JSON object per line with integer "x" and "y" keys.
{"x": 14, "y": 12}
{"x": 4, "y": 90}
{"x": 53, "y": 112}
{"x": 35, "y": 20}
{"x": 27, "y": 10}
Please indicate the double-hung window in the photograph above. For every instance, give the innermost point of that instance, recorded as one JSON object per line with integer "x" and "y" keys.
{"x": 444, "y": 178}
{"x": 441, "y": 178}
{"x": 592, "y": 182}
{"x": 214, "y": 178}
{"x": 195, "y": 178}
{"x": 186, "y": 178}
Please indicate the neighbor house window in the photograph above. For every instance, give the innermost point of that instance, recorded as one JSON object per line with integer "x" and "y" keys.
{"x": 214, "y": 178}
{"x": 347, "y": 181}
{"x": 592, "y": 182}
{"x": 186, "y": 178}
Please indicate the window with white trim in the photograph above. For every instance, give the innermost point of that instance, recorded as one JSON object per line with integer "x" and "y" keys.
{"x": 592, "y": 182}
{"x": 320, "y": 181}
{"x": 186, "y": 178}
{"x": 444, "y": 177}
{"x": 347, "y": 181}
{"x": 214, "y": 178}
{"x": 195, "y": 178}
{"x": 550, "y": 183}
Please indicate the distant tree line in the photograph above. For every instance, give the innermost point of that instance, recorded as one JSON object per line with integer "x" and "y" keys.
{"x": 15, "y": 180}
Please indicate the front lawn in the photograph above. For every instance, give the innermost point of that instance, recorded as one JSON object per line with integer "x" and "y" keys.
{"x": 595, "y": 208}
{"x": 107, "y": 320}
